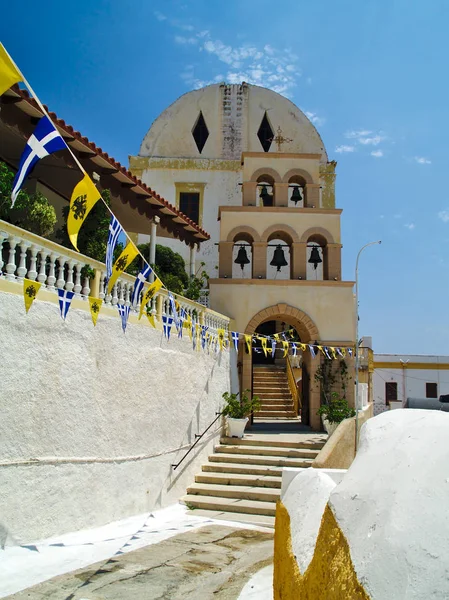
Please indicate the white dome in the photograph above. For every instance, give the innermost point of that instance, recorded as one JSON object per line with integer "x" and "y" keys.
{"x": 233, "y": 115}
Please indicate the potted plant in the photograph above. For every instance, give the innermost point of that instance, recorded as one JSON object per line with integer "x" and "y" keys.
{"x": 335, "y": 412}
{"x": 237, "y": 410}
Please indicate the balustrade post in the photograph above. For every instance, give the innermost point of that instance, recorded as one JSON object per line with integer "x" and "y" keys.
{"x": 42, "y": 277}
{"x": 11, "y": 266}
{"x": 77, "y": 287}
{"x": 121, "y": 290}
{"x": 159, "y": 306}
{"x": 3, "y": 237}
{"x": 128, "y": 288}
{"x": 114, "y": 299}
{"x": 51, "y": 279}
{"x": 69, "y": 285}
{"x": 32, "y": 273}
{"x": 97, "y": 284}
{"x": 86, "y": 289}
{"x": 101, "y": 290}
{"x": 61, "y": 281}
{"x": 22, "y": 270}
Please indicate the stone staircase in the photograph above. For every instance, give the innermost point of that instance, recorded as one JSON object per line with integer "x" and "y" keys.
{"x": 271, "y": 385}
{"x": 242, "y": 479}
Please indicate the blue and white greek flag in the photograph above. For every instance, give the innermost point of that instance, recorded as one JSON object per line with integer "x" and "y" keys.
{"x": 123, "y": 311}
{"x": 115, "y": 229}
{"x": 235, "y": 338}
{"x": 312, "y": 350}
{"x": 65, "y": 299}
{"x": 350, "y": 351}
{"x": 182, "y": 318}
{"x": 273, "y": 348}
{"x": 173, "y": 310}
{"x": 326, "y": 352}
{"x": 167, "y": 323}
{"x": 295, "y": 349}
{"x": 44, "y": 141}
{"x": 339, "y": 352}
{"x": 204, "y": 328}
{"x": 141, "y": 278}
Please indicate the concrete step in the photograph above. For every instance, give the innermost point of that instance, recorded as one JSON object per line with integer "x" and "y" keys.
{"x": 260, "y": 494}
{"x": 258, "y": 520}
{"x": 239, "y": 479}
{"x": 269, "y": 378}
{"x": 284, "y": 407}
{"x": 235, "y": 468}
{"x": 252, "y": 507}
{"x": 246, "y": 441}
{"x": 271, "y": 414}
{"x": 266, "y": 451}
{"x": 277, "y": 395}
{"x": 272, "y": 461}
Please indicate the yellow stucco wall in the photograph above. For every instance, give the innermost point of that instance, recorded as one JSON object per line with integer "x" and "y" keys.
{"x": 281, "y": 164}
{"x": 329, "y": 576}
{"x": 329, "y": 304}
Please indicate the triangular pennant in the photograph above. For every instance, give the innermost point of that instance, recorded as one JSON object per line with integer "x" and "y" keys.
{"x": 95, "y": 306}
{"x": 149, "y": 294}
{"x": 65, "y": 300}
{"x": 273, "y": 348}
{"x": 285, "y": 346}
{"x": 127, "y": 256}
{"x": 123, "y": 311}
{"x": 84, "y": 197}
{"x": 150, "y": 318}
{"x": 263, "y": 341}
{"x": 312, "y": 350}
{"x": 248, "y": 339}
{"x": 221, "y": 337}
{"x": 235, "y": 338}
{"x": 30, "y": 290}
{"x": 167, "y": 323}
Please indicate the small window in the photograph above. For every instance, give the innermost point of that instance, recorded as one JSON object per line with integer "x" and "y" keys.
{"x": 431, "y": 390}
{"x": 391, "y": 391}
{"x": 189, "y": 204}
{"x": 265, "y": 133}
{"x": 200, "y": 132}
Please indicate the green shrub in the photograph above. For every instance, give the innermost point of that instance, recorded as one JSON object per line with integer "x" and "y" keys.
{"x": 336, "y": 410}
{"x": 239, "y": 409}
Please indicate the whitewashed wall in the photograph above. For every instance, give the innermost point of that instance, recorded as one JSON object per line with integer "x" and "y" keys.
{"x": 109, "y": 412}
{"x": 411, "y": 381}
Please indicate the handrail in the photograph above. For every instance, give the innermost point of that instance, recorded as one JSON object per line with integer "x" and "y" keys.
{"x": 292, "y": 385}
{"x": 198, "y": 437}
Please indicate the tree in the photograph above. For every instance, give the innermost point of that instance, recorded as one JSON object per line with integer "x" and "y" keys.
{"x": 32, "y": 212}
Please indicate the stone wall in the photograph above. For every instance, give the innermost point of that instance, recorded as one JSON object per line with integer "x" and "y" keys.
{"x": 92, "y": 418}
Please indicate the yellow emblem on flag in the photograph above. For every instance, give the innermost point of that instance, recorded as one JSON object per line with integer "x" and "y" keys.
{"x": 95, "y": 306}
{"x": 285, "y": 345}
{"x": 123, "y": 261}
{"x": 263, "y": 341}
{"x": 332, "y": 349}
{"x": 30, "y": 290}
{"x": 149, "y": 294}
{"x": 84, "y": 197}
{"x": 9, "y": 73}
{"x": 151, "y": 320}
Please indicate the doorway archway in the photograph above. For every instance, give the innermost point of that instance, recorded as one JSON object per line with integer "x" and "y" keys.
{"x": 308, "y": 333}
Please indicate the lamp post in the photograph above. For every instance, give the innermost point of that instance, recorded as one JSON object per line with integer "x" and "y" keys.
{"x": 357, "y": 341}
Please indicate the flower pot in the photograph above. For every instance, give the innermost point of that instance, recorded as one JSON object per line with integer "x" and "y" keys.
{"x": 236, "y": 427}
{"x": 330, "y": 427}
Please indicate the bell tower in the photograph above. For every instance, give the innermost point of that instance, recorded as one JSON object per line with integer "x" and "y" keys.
{"x": 280, "y": 258}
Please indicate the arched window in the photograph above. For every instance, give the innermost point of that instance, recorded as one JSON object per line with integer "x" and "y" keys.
{"x": 279, "y": 262}
{"x": 316, "y": 257}
{"x": 265, "y": 190}
{"x": 297, "y": 191}
{"x": 242, "y": 256}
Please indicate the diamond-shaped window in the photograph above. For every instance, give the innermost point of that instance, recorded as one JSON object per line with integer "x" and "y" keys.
{"x": 200, "y": 132}
{"x": 265, "y": 133}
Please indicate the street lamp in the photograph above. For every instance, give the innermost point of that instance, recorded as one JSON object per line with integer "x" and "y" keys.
{"x": 357, "y": 341}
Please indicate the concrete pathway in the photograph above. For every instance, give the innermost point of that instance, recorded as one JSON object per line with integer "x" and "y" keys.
{"x": 166, "y": 555}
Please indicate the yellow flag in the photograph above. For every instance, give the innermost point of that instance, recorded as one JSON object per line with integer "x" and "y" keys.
{"x": 9, "y": 74}
{"x": 95, "y": 306}
{"x": 151, "y": 320}
{"x": 124, "y": 260}
{"x": 276, "y": 337}
{"x": 285, "y": 344}
{"x": 148, "y": 295}
{"x": 30, "y": 290}
{"x": 263, "y": 341}
{"x": 332, "y": 349}
{"x": 84, "y": 197}
{"x": 248, "y": 340}
{"x": 302, "y": 346}
{"x": 221, "y": 336}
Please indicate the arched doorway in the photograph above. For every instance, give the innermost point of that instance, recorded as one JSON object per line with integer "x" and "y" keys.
{"x": 308, "y": 333}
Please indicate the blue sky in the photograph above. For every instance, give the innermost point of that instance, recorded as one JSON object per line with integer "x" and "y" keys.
{"x": 371, "y": 75}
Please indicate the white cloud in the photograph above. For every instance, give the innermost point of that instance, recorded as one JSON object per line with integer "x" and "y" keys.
{"x": 366, "y": 137}
{"x": 344, "y": 148}
{"x": 422, "y": 160}
{"x": 371, "y": 141}
{"x": 316, "y": 120}
{"x": 179, "y": 39}
{"x": 355, "y": 134}
{"x": 377, "y": 153}
{"x": 410, "y": 226}
{"x": 159, "y": 16}
{"x": 444, "y": 215}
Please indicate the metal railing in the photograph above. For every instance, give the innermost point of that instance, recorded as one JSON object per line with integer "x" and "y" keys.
{"x": 292, "y": 385}
{"x": 198, "y": 437}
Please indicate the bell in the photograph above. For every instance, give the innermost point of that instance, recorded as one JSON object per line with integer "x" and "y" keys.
{"x": 315, "y": 258}
{"x": 242, "y": 258}
{"x": 296, "y": 195}
{"x": 278, "y": 258}
{"x": 267, "y": 198}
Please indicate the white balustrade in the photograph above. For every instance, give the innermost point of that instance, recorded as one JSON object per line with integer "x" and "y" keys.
{"x": 57, "y": 267}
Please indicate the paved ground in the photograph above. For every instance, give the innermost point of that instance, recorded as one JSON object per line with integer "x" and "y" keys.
{"x": 210, "y": 562}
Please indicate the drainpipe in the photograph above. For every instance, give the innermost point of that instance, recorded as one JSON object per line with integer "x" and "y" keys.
{"x": 404, "y": 381}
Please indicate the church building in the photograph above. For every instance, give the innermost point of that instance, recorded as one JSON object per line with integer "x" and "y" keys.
{"x": 247, "y": 165}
